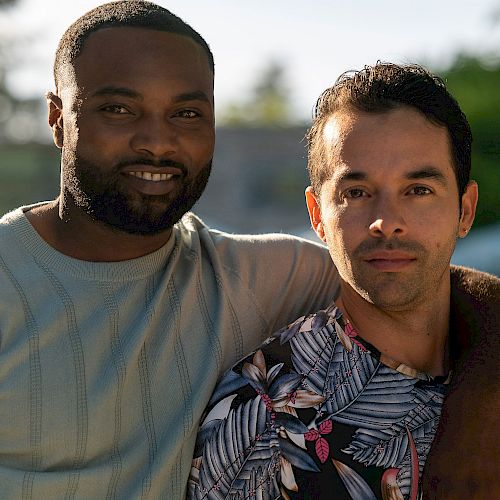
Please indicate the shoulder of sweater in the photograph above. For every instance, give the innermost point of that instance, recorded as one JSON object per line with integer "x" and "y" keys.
{"x": 192, "y": 223}
{"x": 6, "y": 222}
{"x": 261, "y": 262}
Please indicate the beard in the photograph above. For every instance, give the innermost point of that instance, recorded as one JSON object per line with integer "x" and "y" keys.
{"x": 106, "y": 198}
{"x": 395, "y": 291}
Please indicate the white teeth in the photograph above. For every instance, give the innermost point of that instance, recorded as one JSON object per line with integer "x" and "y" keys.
{"x": 148, "y": 176}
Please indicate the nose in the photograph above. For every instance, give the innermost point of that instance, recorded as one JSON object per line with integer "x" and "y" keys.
{"x": 387, "y": 220}
{"x": 155, "y": 136}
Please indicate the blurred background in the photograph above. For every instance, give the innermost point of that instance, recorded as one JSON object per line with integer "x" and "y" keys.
{"x": 273, "y": 59}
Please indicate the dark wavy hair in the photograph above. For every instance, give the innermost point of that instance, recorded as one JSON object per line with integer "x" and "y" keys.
{"x": 130, "y": 13}
{"x": 381, "y": 88}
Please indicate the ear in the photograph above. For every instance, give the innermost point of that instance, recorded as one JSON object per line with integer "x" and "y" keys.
{"x": 314, "y": 213}
{"x": 469, "y": 203}
{"x": 55, "y": 118}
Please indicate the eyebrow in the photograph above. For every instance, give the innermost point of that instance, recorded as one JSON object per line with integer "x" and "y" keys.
{"x": 422, "y": 173}
{"x": 196, "y": 95}
{"x": 117, "y": 91}
{"x": 352, "y": 176}
{"x": 427, "y": 173}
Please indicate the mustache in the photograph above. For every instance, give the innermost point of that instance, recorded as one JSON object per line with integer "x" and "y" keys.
{"x": 368, "y": 246}
{"x": 153, "y": 163}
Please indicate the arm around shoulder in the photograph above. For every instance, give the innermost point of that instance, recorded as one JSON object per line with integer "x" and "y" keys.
{"x": 287, "y": 276}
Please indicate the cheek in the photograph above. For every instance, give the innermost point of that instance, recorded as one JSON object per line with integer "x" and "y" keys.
{"x": 351, "y": 224}
{"x": 437, "y": 234}
{"x": 200, "y": 146}
{"x": 98, "y": 141}
{"x": 342, "y": 230}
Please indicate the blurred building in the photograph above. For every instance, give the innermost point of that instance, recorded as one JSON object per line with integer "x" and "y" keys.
{"x": 257, "y": 185}
{"x": 257, "y": 182}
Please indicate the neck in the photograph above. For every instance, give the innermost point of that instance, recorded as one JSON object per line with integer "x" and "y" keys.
{"x": 80, "y": 237}
{"x": 416, "y": 335}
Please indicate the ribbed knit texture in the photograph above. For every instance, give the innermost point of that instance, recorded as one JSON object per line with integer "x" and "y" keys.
{"x": 105, "y": 368}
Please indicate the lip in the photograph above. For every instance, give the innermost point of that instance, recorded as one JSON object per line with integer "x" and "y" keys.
{"x": 153, "y": 181}
{"x": 389, "y": 261}
{"x": 138, "y": 167}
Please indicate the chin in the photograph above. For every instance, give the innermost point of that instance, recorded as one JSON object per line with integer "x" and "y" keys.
{"x": 393, "y": 298}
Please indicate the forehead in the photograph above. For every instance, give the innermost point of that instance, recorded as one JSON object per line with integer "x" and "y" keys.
{"x": 127, "y": 54}
{"x": 392, "y": 143}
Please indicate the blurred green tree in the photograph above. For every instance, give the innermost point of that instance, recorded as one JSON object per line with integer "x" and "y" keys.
{"x": 475, "y": 82}
{"x": 268, "y": 106}
{"x": 19, "y": 117}
{"x": 27, "y": 171}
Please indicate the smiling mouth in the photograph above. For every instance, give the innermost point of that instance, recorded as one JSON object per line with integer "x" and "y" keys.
{"x": 148, "y": 176}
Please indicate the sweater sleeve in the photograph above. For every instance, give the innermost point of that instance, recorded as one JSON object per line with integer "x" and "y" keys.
{"x": 286, "y": 276}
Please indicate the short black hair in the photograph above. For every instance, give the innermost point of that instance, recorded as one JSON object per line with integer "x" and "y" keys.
{"x": 123, "y": 13}
{"x": 381, "y": 88}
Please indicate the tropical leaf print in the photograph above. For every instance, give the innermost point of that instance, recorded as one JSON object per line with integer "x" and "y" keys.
{"x": 228, "y": 384}
{"x": 311, "y": 323}
{"x": 389, "y": 485}
{"x": 321, "y": 445}
{"x": 322, "y": 449}
{"x": 362, "y": 392}
{"x": 414, "y": 467}
{"x": 241, "y": 456}
{"x": 354, "y": 483}
{"x": 388, "y": 447}
{"x": 281, "y": 410}
{"x": 404, "y": 478}
{"x": 358, "y": 389}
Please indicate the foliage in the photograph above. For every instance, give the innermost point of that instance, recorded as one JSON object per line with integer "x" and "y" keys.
{"x": 269, "y": 104}
{"x": 28, "y": 173}
{"x": 8, "y": 3}
{"x": 476, "y": 86}
{"x": 20, "y": 119}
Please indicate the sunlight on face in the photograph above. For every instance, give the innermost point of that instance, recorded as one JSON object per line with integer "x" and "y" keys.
{"x": 390, "y": 209}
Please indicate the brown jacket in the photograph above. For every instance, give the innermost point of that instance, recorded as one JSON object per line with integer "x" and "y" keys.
{"x": 464, "y": 461}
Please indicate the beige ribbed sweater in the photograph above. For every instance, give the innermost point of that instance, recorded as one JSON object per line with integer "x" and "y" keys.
{"x": 105, "y": 368}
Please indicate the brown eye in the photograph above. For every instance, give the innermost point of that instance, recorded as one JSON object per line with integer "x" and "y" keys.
{"x": 420, "y": 191}
{"x": 115, "y": 108}
{"x": 188, "y": 113}
{"x": 354, "y": 193}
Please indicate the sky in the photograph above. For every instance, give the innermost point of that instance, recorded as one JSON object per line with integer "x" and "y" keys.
{"x": 315, "y": 40}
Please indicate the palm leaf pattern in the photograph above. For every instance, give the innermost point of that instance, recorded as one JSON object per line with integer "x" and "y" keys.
{"x": 240, "y": 456}
{"x": 248, "y": 449}
{"x": 390, "y": 447}
{"x": 362, "y": 392}
{"x": 359, "y": 390}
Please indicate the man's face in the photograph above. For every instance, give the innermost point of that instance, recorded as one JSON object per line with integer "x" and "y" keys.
{"x": 138, "y": 124}
{"x": 390, "y": 213}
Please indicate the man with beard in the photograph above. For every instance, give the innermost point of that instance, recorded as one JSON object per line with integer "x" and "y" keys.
{"x": 117, "y": 315}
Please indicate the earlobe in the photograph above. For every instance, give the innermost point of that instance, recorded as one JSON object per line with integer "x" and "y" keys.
{"x": 314, "y": 213}
{"x": 469, "y": 203}
{"x": 55, "y": 118}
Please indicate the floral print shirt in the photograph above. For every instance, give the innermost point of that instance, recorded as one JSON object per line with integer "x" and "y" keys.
{"x": 315, "y": 413}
